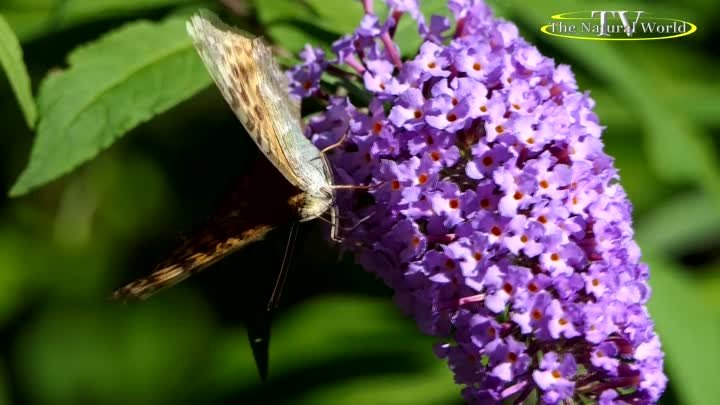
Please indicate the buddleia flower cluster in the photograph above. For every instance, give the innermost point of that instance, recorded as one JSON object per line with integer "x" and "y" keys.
{"x": 493, "y": 212}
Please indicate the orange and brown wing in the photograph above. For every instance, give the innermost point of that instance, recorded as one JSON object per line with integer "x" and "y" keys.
{"x": 258, "y": 203}
{"x": 209, "y": 246}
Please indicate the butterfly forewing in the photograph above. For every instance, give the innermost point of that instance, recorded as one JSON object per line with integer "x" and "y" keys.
{"x": 251, "y": 82}
{"x": 214, "y": 243}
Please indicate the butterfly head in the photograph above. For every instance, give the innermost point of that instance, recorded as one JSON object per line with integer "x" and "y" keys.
{"x": 314, "y": 204}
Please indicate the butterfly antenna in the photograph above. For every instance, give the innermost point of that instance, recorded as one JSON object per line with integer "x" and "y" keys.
{"x": 284, "y": 267}
{"x": 335, "y": 224}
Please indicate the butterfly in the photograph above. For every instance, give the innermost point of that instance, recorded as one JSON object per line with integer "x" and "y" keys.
{"x": 248, "y": 77}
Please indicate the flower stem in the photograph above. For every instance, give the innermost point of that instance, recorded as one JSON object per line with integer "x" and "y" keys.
{"x": 355, "y": 64}
{"x": 391, "y": 50}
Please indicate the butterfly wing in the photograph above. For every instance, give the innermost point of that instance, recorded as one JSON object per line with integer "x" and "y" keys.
{"x": 212, "y": 244}
{"x": 251, "y": 82}
{"x": 238, "y": 222}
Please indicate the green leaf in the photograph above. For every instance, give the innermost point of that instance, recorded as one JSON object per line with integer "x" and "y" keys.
{"x": 342, "y": 17}
{"x": 287, "y": 22}
{"x": 11, "y": 60}
{"x": 710, "y": 289}
{"x": 689, "y": 334}
{"x": 28, "y": 18}
{"x": 303, "y": 338}
{"x": 34, "y": 18}
{"x": 433, "y": 386}
{"x": 147, "y": 350}
{"x": 683, "y": 222}
{"x": 111, "y": 86}
{"x": 293, "y": 24}
{"x": 272, "y": 11}
{"x": 407, "y": 36}
{"x": 73, "y": 11}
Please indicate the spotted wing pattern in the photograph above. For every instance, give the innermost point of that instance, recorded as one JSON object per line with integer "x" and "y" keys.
{"x": 251, "y": 82}
{"x": 238, "y": 222}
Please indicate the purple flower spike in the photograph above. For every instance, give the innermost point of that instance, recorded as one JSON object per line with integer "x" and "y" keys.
{"x": 493, "y": 213}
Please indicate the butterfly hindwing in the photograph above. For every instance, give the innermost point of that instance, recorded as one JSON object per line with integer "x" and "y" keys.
{"x": 237, "y": 222}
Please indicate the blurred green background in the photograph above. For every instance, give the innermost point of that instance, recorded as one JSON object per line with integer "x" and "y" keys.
{"x": 337, "y": 338}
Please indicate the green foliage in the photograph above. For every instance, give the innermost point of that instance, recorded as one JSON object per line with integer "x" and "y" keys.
{"x": 12, "y": 63}
{"x": 676, "y": 304}
{"x": 305, "y": 338}
{"x": 296, "y": 24}
{"x": 34, "y": 18}
{"x": 123, "y": 79}
{"x": 689, "y": 331}
{"x": 281, "y": 19}
{"x": 103, "y": 346}
{"x": 693, "y": 218}
{"x": 64, "y": 248}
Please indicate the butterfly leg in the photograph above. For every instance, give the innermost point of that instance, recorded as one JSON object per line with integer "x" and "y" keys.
{"x": 335, "y": 224}
{"x": 350, "y": 187}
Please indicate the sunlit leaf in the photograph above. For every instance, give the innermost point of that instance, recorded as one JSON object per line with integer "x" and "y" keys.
{"x": 112, "y": 85}
{"x": 33, "y": 18}
{"x": 684, "y": 221}
{"x": 339, "y": 18}
{"x": 291, "y": 25}
{"x": 11, "y": 60}
{"x": 342, "y": 17}
{"x": 711, "y": 290}
{"x": 407, "y": 36}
